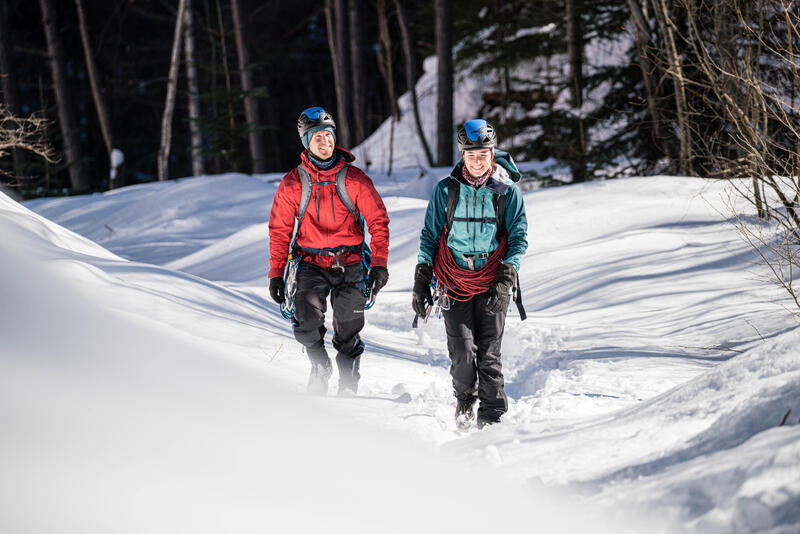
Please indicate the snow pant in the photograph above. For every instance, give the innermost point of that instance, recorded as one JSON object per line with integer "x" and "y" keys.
{"x": 314, "y": 284}
{"x": 473, "y": 342}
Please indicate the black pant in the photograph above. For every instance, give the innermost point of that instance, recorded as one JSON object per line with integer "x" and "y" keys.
{"x": 347, "y": 299}
{"x": 473, "y": 341}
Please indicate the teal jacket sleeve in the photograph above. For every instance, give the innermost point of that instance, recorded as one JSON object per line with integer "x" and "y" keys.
{"x": 435, "y": 218}
{"x": 517, "y": 226}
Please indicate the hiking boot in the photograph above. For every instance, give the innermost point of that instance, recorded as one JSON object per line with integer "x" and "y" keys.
{"x": 486, "y": 420}
{"x": 464, "y": 413}
{"x": 348, "y": 388}
{"x": 318, "y": 379}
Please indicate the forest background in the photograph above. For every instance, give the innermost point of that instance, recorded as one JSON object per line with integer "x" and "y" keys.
{"x": 593, "y": 90}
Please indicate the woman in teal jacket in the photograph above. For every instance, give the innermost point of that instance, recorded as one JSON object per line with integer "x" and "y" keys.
{"x": 473, "y": 241}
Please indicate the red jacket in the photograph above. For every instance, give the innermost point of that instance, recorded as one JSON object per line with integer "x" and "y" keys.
{"x": 327, "y": 222}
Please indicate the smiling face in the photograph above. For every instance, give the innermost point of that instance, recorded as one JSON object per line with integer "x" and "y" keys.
{"x": 322, "y": 144}
{"x": 478, "y": 162}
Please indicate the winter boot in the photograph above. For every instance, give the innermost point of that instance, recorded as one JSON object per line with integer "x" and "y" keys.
{"x": 318, "y": 379}
{"x": 465, "y": 413}
{"x": 487, "y": 419}
{"x": 348, "y": 377}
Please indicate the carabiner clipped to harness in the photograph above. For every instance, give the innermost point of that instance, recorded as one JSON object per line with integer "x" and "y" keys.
{"x": 441, "y": 302}
{"x": 290, "y": 283}
{"x": 366, "y": 265}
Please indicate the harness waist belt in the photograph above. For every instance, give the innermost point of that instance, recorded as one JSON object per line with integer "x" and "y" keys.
{"x": 332, "y": 251}
{"x": 479, "y": 256}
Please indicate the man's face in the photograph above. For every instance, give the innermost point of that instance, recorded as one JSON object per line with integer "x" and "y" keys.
{"x": 322, "y": 144}
{"x": 478, "y": 162}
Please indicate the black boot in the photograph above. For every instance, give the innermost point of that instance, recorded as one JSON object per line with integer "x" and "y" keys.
{"x": 465, "y": 413}
{"x": 349, "y": 361}
{"x": 488, "y": 419}
{"x": 318, "y": 379}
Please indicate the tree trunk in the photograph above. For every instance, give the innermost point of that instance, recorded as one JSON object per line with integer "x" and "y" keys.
{"x": 411, "y": 78}
{"x": 198, "y": 164}
{"x": 575, "y": 84}
{"x": 358, "y": 78}
{"x": 229, "y": 91}
{"x": 334, "y": 19}
{"x": 99, "y": 102}
{"x": 8, "y": 81}
{"x": 678, "y": 80}
{"x": 444, "y": 100}
{"x": 643, "y": 40}
{"x": 250, "y": 102}
{"x": 385, "y": 57}
{"x": 169, "y": 104}
{"x": 79, "y": 181}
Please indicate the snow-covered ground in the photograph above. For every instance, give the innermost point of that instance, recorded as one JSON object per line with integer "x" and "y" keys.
{"x": 148, "y": 384}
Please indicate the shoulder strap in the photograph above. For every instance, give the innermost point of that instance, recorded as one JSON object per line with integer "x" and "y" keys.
{"x": 500, "y": 213}
{"x": 305, "y": 191}
{"x": 453, "y": 190}
{"x": 341, "y": 190}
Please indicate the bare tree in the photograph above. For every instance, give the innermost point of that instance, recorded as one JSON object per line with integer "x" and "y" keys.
{"x": 7, "y": 80}
{"x": 575, "y": 84}
{"x": 198, "y": 164}
{"x": 23, "y": 133}
{"x": 79, "y": 180}
{"x": 387, "y": 72}
{"x": 748, "y": 77}
{"x": 250, "y": 102}
{"x": 675, "y": 71}
{"x": 336, "y": 23}
{"x": 642, "y": 35}
{"x": 94, "y": 82}
{"x": 359, "y": 102}
{"x": 169, "y": 104}
{"x": 411, "y": 77}
{"x": 444, "y": 100}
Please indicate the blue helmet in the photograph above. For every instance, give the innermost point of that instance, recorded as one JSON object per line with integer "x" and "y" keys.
{"x": 476, "y": 134}
{"x": 314, "y": 118}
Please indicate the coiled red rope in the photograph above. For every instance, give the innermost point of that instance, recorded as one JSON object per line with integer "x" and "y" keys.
{"x": 463, "y": 284}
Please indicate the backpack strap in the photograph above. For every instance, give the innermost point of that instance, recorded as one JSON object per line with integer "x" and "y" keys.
{"x": 500, "y": 212}
{"x": 453, "y": 190}
{"x": 341, "y": 190}
{"x": 499, "y": 200}
{"x": 305, "y": 191}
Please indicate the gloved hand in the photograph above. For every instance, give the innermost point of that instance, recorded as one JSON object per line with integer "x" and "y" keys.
{"x": 277, "y": 289}
{"x": 498, "y": 295}
{"x": 422, "y": 297}
{"x": 378, "y": 276}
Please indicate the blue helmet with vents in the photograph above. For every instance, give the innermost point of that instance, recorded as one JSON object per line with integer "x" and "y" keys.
{"x": 315, "y": 117}
{"x": 476, "y": 134}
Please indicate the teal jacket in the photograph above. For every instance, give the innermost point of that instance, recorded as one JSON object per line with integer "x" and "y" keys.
{"x": 469, "y": 239}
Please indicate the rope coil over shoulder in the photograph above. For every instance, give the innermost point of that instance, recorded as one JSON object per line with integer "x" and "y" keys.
{"x": 462, "y": 284}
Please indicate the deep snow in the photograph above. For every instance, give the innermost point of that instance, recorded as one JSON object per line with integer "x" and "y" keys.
{"x": 650, "y": 377}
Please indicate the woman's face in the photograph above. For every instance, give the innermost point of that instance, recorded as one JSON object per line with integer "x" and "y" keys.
{"x": 478, "y": 161}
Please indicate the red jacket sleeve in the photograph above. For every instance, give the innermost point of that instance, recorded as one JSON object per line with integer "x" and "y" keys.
{"x": 281, "y": 222}
{"x": 370, "y": 205}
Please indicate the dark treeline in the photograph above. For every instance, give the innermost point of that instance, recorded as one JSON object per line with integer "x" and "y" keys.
{"x": 596, "y": 89}
{"x": 289, "y": 62}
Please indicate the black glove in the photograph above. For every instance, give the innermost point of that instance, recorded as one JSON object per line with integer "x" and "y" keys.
{"x": 498, "y": 295}
{"x": 422, "y": 297}
{"x": 378, "y": 276}
{"x": 277, "y": 289}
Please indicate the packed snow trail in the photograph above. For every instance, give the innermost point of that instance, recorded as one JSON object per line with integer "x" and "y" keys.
{"x": 650, "y": 345}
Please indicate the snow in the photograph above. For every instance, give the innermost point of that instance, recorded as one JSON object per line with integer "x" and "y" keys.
{"x": 147, "y": 382}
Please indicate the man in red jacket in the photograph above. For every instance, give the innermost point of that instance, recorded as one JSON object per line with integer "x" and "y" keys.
{"x": 330, "y": 239}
